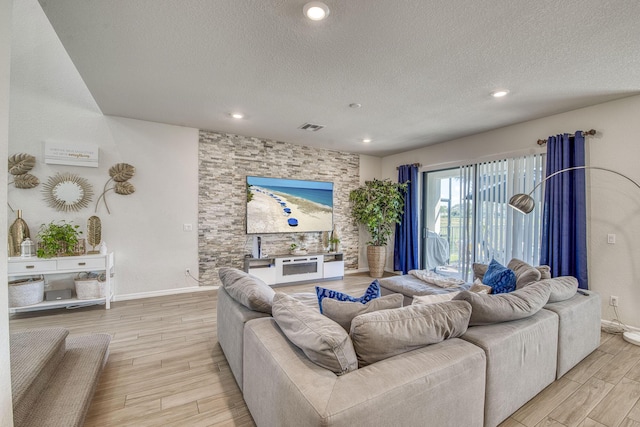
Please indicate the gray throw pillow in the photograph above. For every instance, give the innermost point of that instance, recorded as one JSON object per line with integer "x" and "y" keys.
{"x": 545, "y": 271}
{"x": 321, "y": 339}
{"x": 495, "y": 308}
{"x": 525, "y": 273}
{"x": 383, "y": 334}
{"x": 246, "y": 289}
{"x": 342, "y": 312}
{"x": 479, "y": 270}
{"x": 561, "y": 288}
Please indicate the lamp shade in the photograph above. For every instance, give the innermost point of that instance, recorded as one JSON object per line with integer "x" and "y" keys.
{"x": 522, "y": 202}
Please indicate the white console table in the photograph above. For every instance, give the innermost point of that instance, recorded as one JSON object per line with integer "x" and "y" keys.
{"x": 21, "y": 267}
{"x": 281, "y": 269}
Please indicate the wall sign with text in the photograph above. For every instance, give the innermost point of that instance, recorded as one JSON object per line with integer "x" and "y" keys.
{"x": 85, "y": 155}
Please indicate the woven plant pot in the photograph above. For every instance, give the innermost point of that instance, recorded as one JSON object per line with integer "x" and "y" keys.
{"x": 376, "y": 257}
{"x": 79, "y": 249}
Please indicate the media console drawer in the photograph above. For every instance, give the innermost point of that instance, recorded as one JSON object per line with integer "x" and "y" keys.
{"x": 299, "y": 268}
{"x": 84, "y": 263}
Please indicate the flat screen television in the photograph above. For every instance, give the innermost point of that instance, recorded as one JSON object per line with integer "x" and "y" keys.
{"x": 280, "y": 205}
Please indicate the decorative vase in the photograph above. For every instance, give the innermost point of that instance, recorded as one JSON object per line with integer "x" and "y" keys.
{"x": 18, "y": 231}
{"x": 376, "y": 257}
{"x": 334, "y": 236}
{"x": 325, "y": 241}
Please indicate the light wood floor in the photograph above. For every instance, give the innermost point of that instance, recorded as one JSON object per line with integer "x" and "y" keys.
{"x": 166, "y": 368}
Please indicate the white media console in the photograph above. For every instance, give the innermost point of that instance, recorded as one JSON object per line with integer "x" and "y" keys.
{"x": 280, "y": 269}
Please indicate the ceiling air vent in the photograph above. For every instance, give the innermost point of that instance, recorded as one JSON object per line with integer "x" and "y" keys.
{"x": 311, "y": 127}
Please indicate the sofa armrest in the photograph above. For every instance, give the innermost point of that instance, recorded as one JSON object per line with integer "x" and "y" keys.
{"x": 578, "y": 329}
{"x": 441, "y": 384}
{"x": 231, "y": 317}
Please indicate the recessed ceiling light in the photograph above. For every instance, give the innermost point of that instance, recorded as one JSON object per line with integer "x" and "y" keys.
{"x": 316, "y": 10}
{"x": 366, "y": 140}
{"x": 499, "y": 93}
{"x": 237, "y": 115}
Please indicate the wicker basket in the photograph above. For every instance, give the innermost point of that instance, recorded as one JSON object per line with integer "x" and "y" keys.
{"x": 26, "y": 292}
{"x": 90, "y": 286}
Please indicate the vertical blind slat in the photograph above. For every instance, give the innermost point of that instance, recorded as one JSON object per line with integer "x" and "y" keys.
{"x": 489, "y": 228}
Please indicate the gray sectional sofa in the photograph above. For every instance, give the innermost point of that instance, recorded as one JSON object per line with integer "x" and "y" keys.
{"x": 477, "y": 376}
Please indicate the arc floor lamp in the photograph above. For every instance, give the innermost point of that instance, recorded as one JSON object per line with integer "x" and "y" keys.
{"x": 525, "y": 204}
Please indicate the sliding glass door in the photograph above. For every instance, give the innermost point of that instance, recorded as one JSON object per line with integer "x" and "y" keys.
{"x": 467, "y": 219}
{"x": 447, "y": 220}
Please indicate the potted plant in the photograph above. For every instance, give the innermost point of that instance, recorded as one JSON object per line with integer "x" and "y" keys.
{"x": 57, "y": 239}
{"x": 378, "y": 205}
{"x": 334, "y": 242}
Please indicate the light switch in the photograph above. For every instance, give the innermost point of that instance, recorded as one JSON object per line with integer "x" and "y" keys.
{"x": 611, "y": 239}
{"x": 187, "y": 227}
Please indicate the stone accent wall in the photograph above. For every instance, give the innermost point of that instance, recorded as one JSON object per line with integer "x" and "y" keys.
{"x": 224, "y": 162}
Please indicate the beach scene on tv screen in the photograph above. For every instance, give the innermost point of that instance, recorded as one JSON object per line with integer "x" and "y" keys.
{"x": 276, "y": 205}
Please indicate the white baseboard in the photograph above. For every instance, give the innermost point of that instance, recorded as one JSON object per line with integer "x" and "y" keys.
{"x": 612, "y": 324}
{"x": 163, "y": 292}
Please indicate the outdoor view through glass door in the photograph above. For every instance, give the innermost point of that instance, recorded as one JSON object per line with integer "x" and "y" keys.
{"x": 467, "y": 219}
{"x": 447, "y": 219}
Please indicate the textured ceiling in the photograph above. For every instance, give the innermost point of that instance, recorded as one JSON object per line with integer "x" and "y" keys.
{"x": 422, "y": 70}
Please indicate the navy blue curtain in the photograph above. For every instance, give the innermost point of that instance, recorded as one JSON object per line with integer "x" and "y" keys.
{"x": 564, "y": 226}
{"x": 405, "y": 253}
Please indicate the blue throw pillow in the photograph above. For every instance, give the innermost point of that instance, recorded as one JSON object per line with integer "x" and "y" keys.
{"x": 500, "y": 278}
{"x": 373, "y": 291}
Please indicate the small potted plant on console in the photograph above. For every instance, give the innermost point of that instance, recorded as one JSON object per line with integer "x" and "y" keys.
{"x": 59, "y": 239}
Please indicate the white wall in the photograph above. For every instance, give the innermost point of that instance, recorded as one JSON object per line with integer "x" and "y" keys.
{"x": 614, "y": 205}
{"x": 6, "y": 407}
{"x": 49, "y": 102}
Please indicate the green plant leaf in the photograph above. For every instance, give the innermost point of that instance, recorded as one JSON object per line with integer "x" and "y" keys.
{"x": 56, "y": 236}
{"x": 378, "y": 205}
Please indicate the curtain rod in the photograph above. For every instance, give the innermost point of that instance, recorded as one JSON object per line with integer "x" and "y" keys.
{"x": 418, "y": 165}
{"x": 584, "y": 132}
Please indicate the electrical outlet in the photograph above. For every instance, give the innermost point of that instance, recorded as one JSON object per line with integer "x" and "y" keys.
{"x": 613, "y": 301}
{"x": 187, "y": 271}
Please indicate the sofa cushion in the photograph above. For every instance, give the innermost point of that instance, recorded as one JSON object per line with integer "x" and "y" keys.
{"x": 321, "y": 339}
{"x": 479, "y": 270}
{"x": 342, "y": 312}
{"x": 561, "y": 288}
{"x": 500, "y": 278}
{"x": 525, "y": 273}
{"x": 545, "y": 271}
{"x": 492, "y": 308}
{"x": 480, "y": 287}
{"x": 246, "y": 289}
{"x": 434, "y": 299}
{"x": 383, "y": 334}
{"x": 373, "y": 291}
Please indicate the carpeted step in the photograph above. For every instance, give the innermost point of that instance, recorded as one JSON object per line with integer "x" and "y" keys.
{"x": 35, "y": 356}
{"x": 66, "y": 400}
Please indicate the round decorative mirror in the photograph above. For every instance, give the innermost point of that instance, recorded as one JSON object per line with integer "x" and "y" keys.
{"x": 67, "y": 192}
